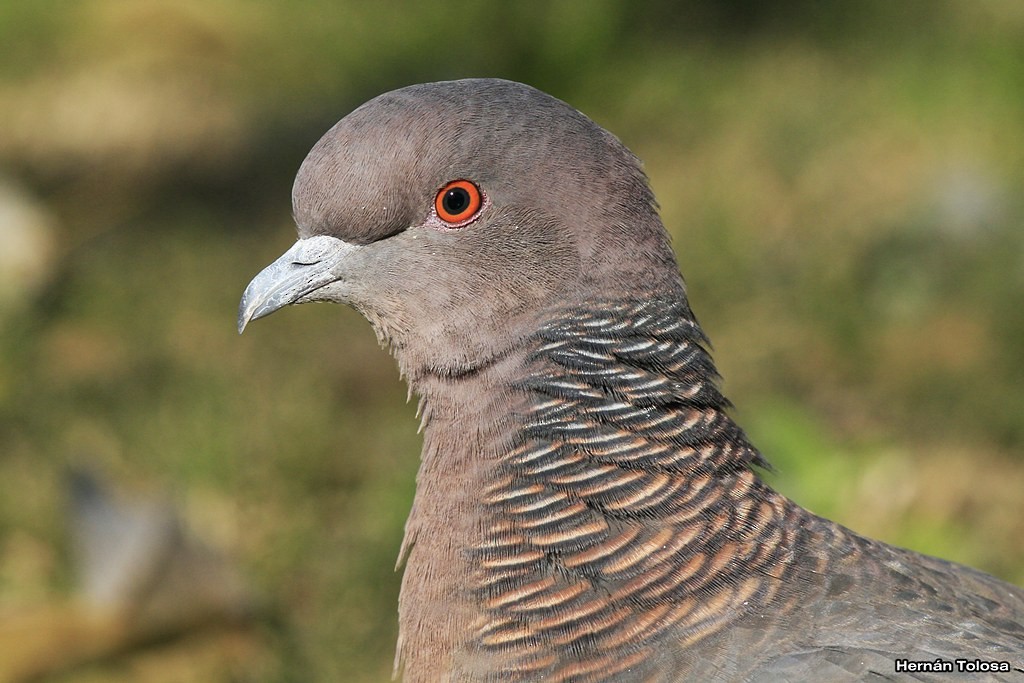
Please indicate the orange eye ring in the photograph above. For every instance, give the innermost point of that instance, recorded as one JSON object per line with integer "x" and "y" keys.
{"x": 458, "y": 202}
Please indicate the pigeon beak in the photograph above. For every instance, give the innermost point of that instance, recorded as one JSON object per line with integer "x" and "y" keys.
{"x": 311, "y": 264}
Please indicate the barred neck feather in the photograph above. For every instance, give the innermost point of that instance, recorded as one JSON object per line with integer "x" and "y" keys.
{"x": 620, "y": 375}
{"x": 625, "y": 512}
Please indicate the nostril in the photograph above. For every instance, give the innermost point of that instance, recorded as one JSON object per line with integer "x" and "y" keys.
{"x": 312, "y": 250}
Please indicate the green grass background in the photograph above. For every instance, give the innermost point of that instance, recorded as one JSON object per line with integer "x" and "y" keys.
{"x": 843, "y": 182}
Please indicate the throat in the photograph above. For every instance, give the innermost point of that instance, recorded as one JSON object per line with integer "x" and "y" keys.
{"x": 466, "y": 419}
{"x": 592, "y": 500}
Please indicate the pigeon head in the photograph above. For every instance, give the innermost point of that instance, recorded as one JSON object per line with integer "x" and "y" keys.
{"x": 452, "y": 214}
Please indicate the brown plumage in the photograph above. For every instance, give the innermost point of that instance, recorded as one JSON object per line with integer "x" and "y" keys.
{"x": 586, "y": 509}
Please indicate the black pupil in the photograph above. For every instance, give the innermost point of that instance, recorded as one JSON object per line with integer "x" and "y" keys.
{"x": 455, "y": 201}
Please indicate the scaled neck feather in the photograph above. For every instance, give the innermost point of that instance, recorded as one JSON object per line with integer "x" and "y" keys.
{"x": 572, "y": 487}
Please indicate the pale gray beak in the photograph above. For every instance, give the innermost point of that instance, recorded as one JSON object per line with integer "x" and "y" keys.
{"x": 310, "y": 265}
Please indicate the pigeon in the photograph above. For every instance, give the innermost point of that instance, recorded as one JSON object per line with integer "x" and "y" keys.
{"x": 586, "y": 507}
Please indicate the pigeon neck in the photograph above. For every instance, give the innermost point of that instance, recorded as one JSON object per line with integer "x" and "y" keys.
{"x": 575, "y": 488}
{"x": 466, "y": 423}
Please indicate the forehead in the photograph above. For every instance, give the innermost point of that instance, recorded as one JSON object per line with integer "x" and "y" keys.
{"x": 379, "y": 166}
{"x": 459, "y": 118}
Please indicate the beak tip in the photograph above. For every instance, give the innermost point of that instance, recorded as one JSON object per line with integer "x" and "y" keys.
{"x": 249, "y": 310}
{"x": 251, "y": 307}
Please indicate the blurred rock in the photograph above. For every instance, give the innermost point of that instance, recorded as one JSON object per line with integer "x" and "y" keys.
{"x": 968, "y": 203}
{"x": 141, "y": 579}
{"x": 135, "y": 556}
{"x": 27, "y": 254}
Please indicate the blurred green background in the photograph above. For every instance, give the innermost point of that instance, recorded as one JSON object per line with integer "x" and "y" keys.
{"x": 843, "y": 184}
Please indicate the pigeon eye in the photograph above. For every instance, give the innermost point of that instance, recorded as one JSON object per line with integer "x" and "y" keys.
{"x": 458, "y": 202}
